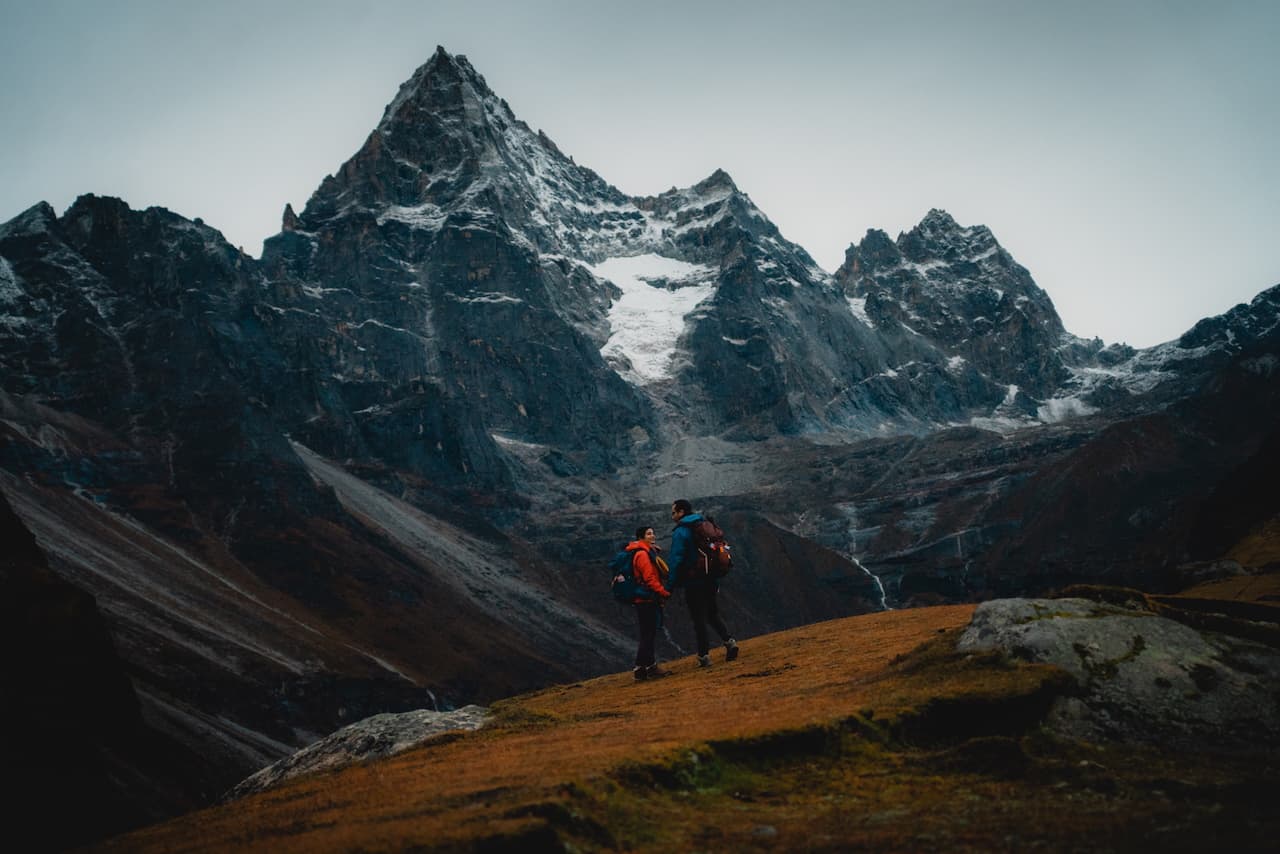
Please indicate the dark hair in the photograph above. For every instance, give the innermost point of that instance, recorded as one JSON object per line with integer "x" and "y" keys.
{"x": 682, "y": 505}
{"x": 640, "y": 532}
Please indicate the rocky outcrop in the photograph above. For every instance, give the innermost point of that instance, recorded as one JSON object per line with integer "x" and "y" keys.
{"x": 372, "y": 738}
{"x": 1141, "y": 677}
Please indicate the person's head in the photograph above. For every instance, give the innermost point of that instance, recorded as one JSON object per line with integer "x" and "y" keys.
{"x": 645, "y": 533}
{"x": 680, "y": 508}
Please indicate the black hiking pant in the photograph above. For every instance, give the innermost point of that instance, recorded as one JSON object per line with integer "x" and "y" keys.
{"x": 647, "y": 618}
{"x": 704, "y": 611}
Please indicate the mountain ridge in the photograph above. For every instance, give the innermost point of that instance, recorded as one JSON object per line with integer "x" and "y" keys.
{"x": 392, "y": 451}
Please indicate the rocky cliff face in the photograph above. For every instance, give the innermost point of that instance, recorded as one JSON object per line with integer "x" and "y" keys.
{"x": 958, "y": 295}
{"x": 380, "y": 467}
{"x": 416, "y": 283}
{"x": 487, "y": 251}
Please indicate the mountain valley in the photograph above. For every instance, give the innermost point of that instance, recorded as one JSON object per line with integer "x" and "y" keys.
{"x": 382, "y": 467}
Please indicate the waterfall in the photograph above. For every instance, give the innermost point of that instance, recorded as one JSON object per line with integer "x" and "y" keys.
{"x": 851, "y": 513}
{"x": 884, "y": 603}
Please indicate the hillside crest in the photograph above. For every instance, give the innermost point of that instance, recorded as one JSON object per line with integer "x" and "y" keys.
{"x": 866, "y": 731}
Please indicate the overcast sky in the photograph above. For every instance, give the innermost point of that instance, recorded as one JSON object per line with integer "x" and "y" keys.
{"x": 1124, "y": 152}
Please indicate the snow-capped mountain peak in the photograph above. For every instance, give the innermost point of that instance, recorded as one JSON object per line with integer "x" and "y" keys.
{"x": 958, "y": 288}
{"x": 939, "y": 237}
{"x": 34, "y": 220}
{"x": 447, "y": 146}
{"x": 442, "y": 82}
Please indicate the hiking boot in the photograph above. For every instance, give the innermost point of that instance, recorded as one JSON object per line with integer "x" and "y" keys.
{"x": 704, "y": 661}
{"x": 640, "y": 673}
{"x": 730, "y": 649}
{"x": 653, "y": 671}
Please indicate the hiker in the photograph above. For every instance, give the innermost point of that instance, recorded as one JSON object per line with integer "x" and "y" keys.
{"x": 689, "y": 570}
{"x": 650, "y": 570}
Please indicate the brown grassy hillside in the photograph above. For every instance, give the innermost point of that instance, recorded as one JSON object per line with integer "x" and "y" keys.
{"x": 865, "y": 733}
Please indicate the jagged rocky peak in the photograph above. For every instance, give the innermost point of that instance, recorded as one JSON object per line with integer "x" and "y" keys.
{"x": 717, "y": 180}
{"x": 101, "y": 218}
{"x": 939, "y": 236}
{"x": 448, "y": 146}
{"x": 876, "y": 251}
{"x": 685, "y": 203}
{"x": 427, "y": 147}
{"x": 705, "y": 220}
{"x": 938, "y": 240}
{"x": 940, "y": 262}
{"x": 119, "y": 241}
{"x": 1243, "y": 326}
{"x": 957, "y": 286}
{"x": 34, "y": 220}
{"x": 449, "y": 152}
{"x": 444, "y": 83}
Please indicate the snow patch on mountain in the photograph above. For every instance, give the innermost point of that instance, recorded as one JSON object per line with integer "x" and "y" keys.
{"x": 485, "y": 297}
{"x": 428, "y": 217}
{"x": 1008, "y": 416}
{"x": 657, "y": 295}
{"x": 858, "y": 305}
{"x": 10, "y": 290}
{"x": 1061, "y": 408}
{"x": 520, "y": 447}
{"x": 1145, "y": 370}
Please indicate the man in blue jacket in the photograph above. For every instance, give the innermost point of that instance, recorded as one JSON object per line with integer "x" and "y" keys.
{"x": 700, "y": 588}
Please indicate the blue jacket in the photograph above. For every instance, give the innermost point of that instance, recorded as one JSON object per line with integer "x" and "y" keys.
{"x": 683, "y": 553}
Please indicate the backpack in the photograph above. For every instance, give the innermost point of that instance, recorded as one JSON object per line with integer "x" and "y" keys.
{"x": 623, "y": 572}
{"x": 715, "y": 558}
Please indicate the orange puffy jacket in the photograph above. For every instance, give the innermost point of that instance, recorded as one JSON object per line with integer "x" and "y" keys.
{"x": 648, "y": 568}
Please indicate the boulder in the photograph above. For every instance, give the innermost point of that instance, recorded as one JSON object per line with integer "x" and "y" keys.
{"x": 1141, "y": 677}
{"x": 372, "y": 738}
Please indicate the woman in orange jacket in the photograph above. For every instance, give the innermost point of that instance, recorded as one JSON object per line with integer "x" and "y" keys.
{"x": 649, "y": 570}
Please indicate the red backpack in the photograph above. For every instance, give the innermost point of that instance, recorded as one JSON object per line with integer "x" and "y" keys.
{"x": 714, "y": 557}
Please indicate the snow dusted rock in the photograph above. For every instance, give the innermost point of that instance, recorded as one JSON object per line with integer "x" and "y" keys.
{"x": 960, "y": 317}
{"x": 1142, "y": 677}
{"x": 440, "y": 273}
{"x": 482, "y": 256}
{"x": 371, "y": 738}
{"x": 953, "y": 297}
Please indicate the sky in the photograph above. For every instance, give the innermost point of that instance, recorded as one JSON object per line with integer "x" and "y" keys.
{"x": 1122, "y": 151}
